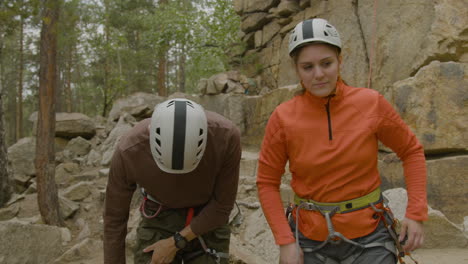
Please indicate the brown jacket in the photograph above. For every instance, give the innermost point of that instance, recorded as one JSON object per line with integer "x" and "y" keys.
{"x": 212, "y": 184}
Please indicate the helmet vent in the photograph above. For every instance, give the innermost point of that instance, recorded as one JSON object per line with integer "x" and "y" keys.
{"x": 178, "y": 135}
{"x": 326, "y": 34}
{"x": 295, "y": 38}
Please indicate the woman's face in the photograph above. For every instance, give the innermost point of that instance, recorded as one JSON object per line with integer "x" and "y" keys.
{"x": 318, "y": 67}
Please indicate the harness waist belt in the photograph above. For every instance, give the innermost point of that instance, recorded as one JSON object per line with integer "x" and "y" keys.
{"x": 373, "y": 197}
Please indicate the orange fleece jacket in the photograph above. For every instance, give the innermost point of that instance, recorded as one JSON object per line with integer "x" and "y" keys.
{"x": 333, "y": 158}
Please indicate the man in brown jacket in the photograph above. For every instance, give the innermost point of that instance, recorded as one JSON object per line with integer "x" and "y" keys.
{"x": 185, "y": 161}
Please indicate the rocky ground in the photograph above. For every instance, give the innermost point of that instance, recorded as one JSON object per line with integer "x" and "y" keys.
{"x": 81, "y": 175}
{"x": 251, "y": 242}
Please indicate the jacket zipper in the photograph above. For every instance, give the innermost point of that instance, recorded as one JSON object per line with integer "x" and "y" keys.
{"x": 327, "y": 107}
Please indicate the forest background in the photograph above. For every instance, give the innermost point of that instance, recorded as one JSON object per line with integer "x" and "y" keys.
{"x": 107, "y": 49}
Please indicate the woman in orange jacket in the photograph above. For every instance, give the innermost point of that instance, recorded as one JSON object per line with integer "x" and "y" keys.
{"x": 329, "y": 134}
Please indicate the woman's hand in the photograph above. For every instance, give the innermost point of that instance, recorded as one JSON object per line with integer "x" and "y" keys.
{"x": 415, "y": 232}
{"x": 288, "y": 254}
{"x": 164, "y": 251}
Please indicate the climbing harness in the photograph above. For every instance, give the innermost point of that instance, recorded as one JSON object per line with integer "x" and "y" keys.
{"x": 190, "y": 214}
{"x": 391, "y": 228}
{"x": 147, "y": 197}
{"x": 328, "y": 210}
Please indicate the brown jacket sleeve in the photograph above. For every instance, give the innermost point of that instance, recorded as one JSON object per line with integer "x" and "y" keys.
{"x": 116, "y": 212}
{"x": 216, "y": 212}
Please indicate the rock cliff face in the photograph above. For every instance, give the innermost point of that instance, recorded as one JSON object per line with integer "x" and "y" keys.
{"x": 414, "y": 53}
{"x": 418, "y": 56}
{"x": 397, "y": 38}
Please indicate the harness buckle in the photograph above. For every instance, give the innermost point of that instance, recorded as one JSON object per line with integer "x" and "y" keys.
{"x": 212, "y": 252}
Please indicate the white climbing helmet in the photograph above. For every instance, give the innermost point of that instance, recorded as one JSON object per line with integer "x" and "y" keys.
{"x": 178, "y": 135}
{"x": 313, "y": 30}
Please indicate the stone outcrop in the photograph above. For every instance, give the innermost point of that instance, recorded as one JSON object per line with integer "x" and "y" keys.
{"x": 79, "y": 146}
{"x": 139, "y": 105}
{"x": 70, "y": 125}
{"x": 381, "y": 38}
{"x": 228, "y": 82}
{"x": 25, "y": 243}
{"x": 82, "y": 192}
{"x": 80, "y": 252}
{"x": 108, "y": 146}
{"x": 439, "y": 232}
{"x": 434, "y": 104}
{"x": 446, "y": 183}
{"x": 21, "y": 156}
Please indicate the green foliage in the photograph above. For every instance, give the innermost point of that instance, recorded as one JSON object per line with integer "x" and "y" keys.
{"x": 111, "y": 48}
{"x": 11, "y": 14}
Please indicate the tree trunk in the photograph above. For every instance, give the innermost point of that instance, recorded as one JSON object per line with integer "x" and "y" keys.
{"x": 181, "y": 77}
{"x": 162, "y": 90}
{"x": 5, "y": 188}
{"x": 45, "y": 155}
{"x": 107, "y": 70}
{"x": 162, "y": 61}
{"x": 19, "y": 104}
{"x": 68, "y": 92}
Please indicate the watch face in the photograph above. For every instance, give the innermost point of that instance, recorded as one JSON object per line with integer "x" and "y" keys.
{"x": 180, "y": 241}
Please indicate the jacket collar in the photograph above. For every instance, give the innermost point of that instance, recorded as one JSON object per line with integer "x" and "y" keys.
{"x": 337, "y": 95}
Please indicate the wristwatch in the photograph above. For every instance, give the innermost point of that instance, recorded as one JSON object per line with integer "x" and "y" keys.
{"x": 180, "y": 241}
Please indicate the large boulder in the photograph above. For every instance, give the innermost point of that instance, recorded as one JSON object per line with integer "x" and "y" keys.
{"x": 21, "y": 156}
{"x": 79, "y": 191}
{"x": 140, "y": 105}
{"x": 70, "y": 125}
{"x": 446, "y": 183}
{"x": 247, "y": 6}
{"x": 79, "y": 147}
{"x": 439, "y": 232}
{"x": 64, "y": 172}
{"x": 254, "y": 21}
{"x": 257, "y": 111}
{"x": 408, "y": 35}
{"x": 434, "y": 104}
{"x": 253, "y": 242}
{"x": 31, "y": 243}
{"x": 109, "y": 145}
{"x": 80, "y": 252}
{"x": 225, "y": 82}
{"x": 230, "y": 106}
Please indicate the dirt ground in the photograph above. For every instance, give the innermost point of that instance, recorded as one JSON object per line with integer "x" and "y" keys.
{"x": 440, "y": 256}
{"x": 423, "y": 256}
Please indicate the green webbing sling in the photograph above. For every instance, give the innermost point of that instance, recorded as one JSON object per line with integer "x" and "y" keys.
{"x": 373, "y": 197}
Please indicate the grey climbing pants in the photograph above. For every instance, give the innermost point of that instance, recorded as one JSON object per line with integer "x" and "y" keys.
{"x": 165, "y": 225}
{"x": 345, "y": 253}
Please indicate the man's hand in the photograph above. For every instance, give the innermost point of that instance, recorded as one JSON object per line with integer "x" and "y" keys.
{"x": 414, "y": 230}
{"x": 164, "y": 251}
{"x": 288, "y": 254}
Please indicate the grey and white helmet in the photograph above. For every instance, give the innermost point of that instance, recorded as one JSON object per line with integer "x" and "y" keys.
{"x": 178, "y": 135}
{"x": 313, "y": 30}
